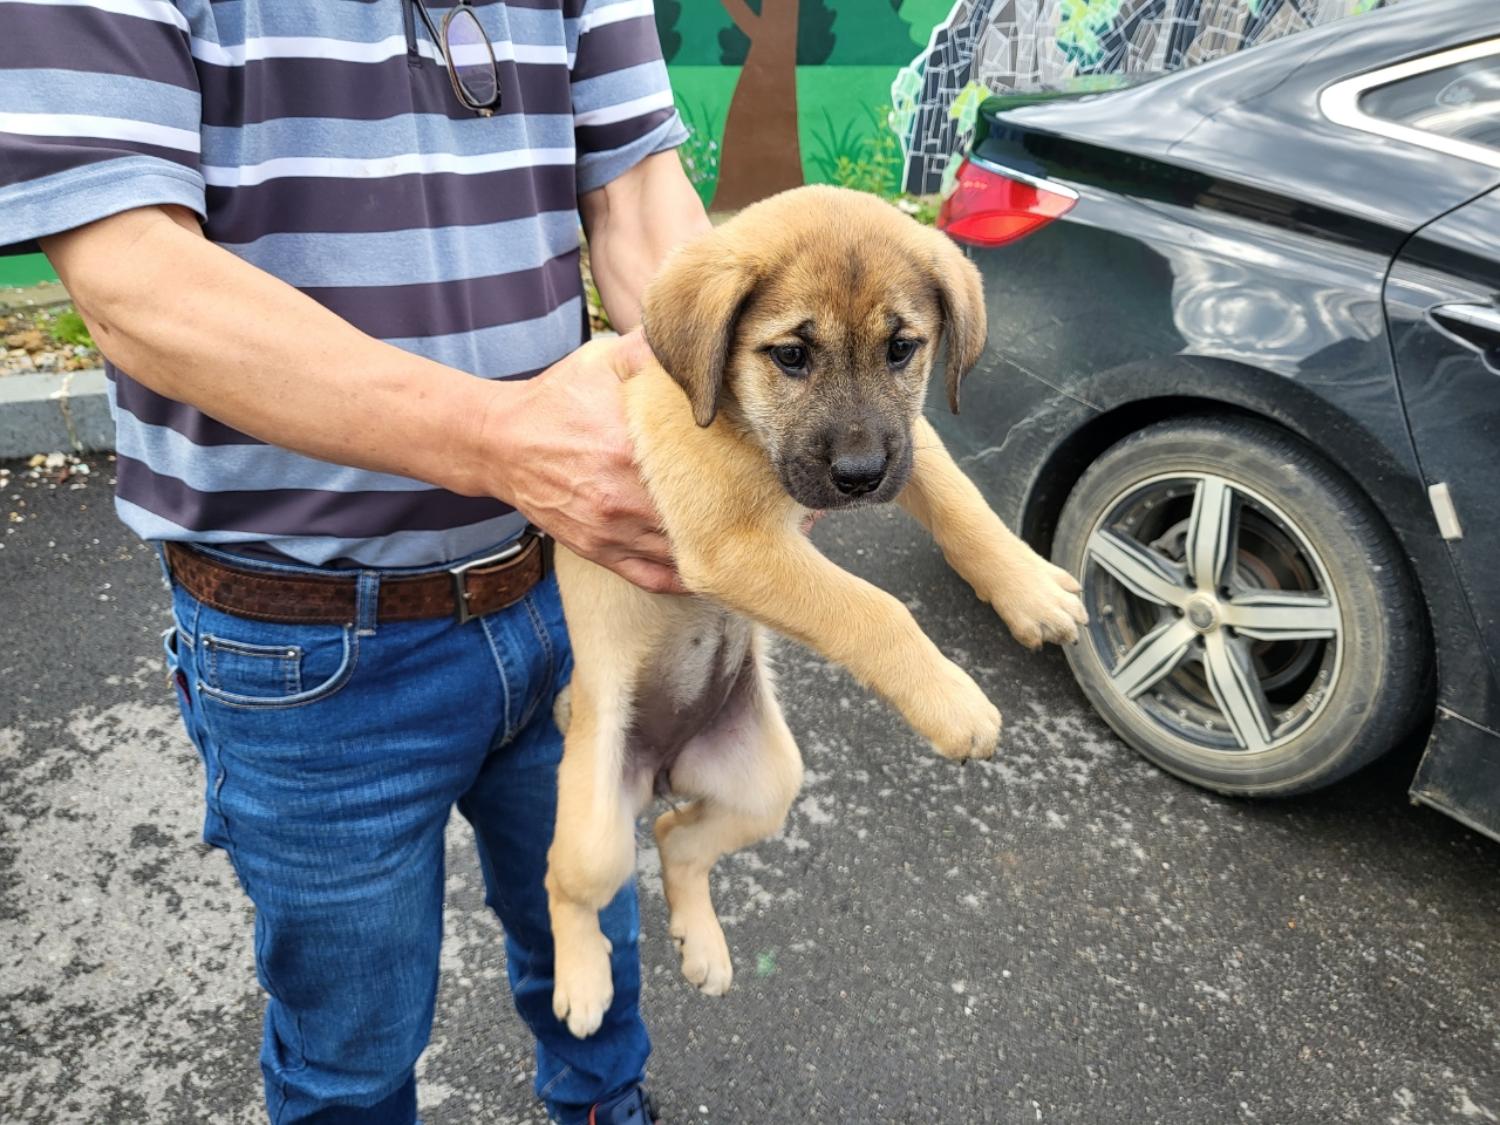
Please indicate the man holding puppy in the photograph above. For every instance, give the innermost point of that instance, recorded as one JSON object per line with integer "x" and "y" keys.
{"x": 298, "y": 232}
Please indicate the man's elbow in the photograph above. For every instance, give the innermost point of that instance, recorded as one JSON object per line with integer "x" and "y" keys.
{"x": 104, "y": 266}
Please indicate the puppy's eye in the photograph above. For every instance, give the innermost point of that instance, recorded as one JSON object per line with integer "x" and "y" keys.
{"x": 900, "y": 351}
{"x": 791, "y": 358}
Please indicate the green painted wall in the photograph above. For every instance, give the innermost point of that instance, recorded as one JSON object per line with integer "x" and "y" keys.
{"x": 832, "y": 32}
{"x": 25, "y": 269}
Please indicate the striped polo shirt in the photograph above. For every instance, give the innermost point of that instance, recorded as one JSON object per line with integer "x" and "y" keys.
{"x": 321, "y": 141}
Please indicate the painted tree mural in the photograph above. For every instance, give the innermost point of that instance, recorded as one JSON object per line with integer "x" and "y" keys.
{"x": 996, "y": 45}
{"x": 667, "y": 13}
{"x": 815, "y": 37}
{"x": 761, "y": 153}
{"x": 841, "y": 46}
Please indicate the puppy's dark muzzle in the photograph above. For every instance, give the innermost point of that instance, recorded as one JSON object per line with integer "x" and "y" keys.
{"x": 858, "y": 475}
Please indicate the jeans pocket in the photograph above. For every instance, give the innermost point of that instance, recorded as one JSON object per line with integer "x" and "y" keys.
{"x": 268, "y": 671}
{"x": 179, "y": 650}
{"x": 172, "y": 643}
{"x": 259, "y": 666}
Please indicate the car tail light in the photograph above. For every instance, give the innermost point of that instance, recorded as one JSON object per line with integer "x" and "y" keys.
{"x": 990, "y": 208}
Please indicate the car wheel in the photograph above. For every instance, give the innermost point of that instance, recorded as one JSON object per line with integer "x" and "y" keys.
{"x": 1253, "y": 626}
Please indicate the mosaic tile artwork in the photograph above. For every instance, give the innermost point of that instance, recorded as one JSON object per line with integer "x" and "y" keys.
{"x": 991, "y": 46}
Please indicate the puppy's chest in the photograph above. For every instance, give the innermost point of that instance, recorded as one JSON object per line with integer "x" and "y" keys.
{"x": 702, "y": 674}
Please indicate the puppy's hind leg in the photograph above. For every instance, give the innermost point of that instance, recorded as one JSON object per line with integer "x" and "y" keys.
{"x": 744, "y": 774}
{"x": 591, "y": 857}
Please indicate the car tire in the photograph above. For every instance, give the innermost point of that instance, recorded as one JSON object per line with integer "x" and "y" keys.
{"x": 1303, "y": 653}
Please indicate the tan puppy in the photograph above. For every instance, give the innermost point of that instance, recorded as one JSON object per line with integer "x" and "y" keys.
{"x": 795, "y": 344}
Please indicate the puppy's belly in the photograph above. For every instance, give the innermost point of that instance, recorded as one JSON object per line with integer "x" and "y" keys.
{"x": 704, "y": 677}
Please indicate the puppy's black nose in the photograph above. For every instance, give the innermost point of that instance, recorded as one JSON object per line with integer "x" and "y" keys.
{"x": 858, "y": 473}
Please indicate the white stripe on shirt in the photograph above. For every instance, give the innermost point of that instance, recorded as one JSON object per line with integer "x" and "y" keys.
{"x": 614, "y": 13}
{"x": 624, "y": 111}
{"x": 99, "y": 128}
{"x": 406, "y": 164}
{"x": 346, "y": 50}
{"x": 158, "y": 11}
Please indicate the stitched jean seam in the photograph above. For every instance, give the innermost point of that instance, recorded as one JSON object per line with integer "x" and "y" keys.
{"x": 539, "y": 627}
{"x": 489, "y": 639}
{"x": 231, "y": 851}
{"x": 565, "y": 1072}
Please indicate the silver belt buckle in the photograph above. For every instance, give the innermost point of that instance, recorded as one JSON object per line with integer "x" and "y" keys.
{"x": 460, "y": 574}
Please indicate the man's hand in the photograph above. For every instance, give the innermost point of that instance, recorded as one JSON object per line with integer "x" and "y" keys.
{"x": 567, "y": 462}
{"x": 574, "y": 473}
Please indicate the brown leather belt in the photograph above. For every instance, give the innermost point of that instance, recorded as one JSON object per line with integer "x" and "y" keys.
{"x": 469, "y": 590}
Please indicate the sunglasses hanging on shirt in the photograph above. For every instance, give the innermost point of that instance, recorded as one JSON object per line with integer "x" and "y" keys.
{"x": 468, "y": 56}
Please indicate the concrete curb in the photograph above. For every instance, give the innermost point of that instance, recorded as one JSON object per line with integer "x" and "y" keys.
{"x": 47, "y": 413}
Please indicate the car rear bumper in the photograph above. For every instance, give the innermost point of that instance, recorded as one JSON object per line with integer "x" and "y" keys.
{"x": 1460, "y": 772}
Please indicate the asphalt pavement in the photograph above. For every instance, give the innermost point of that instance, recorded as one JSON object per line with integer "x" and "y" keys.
{"x": 1063, "y": 935}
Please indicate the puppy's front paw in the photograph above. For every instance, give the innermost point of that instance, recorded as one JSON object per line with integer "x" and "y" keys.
{"x": 961, "y": 722}
{"x": 583, "y": 986}
{"x": 1042, "y": 605}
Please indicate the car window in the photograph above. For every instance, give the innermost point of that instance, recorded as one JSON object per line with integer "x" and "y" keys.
{"x": 1460, "y": 101}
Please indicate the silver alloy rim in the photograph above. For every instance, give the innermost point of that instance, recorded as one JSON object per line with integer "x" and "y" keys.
{"x": 1211, "y": 613}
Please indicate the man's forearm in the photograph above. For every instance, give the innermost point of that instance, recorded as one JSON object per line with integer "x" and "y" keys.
{"x": 195, "y": 323}
{"x": 633, "y": 223}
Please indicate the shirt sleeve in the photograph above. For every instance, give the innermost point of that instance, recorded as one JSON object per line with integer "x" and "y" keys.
{"x": 622, "y": 101}
{"x": 99, "y": 113}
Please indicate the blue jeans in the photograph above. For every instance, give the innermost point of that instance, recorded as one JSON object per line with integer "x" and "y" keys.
{"x": 333, "y": 756}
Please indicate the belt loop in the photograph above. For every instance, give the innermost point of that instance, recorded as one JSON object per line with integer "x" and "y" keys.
{"x": 367, "y": 602}
{"x": 161, "y": 557}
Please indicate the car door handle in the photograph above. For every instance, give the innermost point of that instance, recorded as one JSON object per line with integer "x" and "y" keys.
{"x": 1478, "y": 324}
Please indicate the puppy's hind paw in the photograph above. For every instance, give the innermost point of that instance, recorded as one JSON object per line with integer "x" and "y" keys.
{"x": 705, "y": 957}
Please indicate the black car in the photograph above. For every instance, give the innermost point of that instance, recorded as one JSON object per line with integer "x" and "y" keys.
{"x": 1244, "y": 381}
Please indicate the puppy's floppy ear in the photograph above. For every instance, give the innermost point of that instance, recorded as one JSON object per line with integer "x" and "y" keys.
{"x": 690, "y": 315}
{"x": 961, "y": 295}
